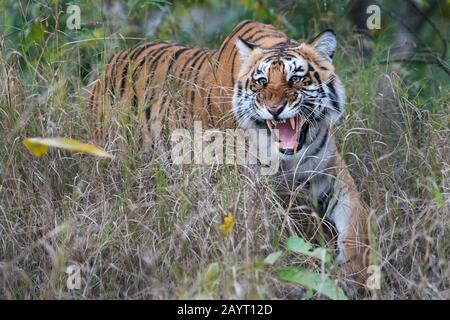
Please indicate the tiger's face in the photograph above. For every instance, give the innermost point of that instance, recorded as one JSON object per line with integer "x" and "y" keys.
{"x": 287, "y": 89}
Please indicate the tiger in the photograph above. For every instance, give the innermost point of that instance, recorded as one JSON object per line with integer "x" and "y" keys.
{"x": 265, "y": 80}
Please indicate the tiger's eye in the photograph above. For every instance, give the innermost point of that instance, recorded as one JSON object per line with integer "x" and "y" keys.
{"x": 261, "y": 81}
{"x": 295, "y": 79}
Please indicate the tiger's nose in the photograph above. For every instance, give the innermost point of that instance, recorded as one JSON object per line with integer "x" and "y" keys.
{"x": 277, "y": 109}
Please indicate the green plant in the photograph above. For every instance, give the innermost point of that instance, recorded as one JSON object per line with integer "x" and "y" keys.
{"x": 320, "y": 282}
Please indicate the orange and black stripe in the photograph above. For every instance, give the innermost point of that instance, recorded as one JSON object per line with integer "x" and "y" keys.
{"x": 136, "y": 76}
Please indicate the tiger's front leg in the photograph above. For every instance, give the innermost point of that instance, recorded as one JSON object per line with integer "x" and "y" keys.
{"x": 350, "y": 218}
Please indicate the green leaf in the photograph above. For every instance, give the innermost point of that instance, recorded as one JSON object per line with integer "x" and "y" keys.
{"x": 309, "y": 293}
{"x": 273, "y": 257}
{"x": 36, "y": 33}
{"x": 312, "y": 280}
{"x": 252, "y": 267}
{"x": 299, "y": 245}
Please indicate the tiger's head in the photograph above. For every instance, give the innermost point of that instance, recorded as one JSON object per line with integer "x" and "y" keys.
{"x": 288, "y": 89}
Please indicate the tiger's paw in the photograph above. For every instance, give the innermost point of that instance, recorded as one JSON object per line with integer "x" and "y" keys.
{"x": 353, "y": 261}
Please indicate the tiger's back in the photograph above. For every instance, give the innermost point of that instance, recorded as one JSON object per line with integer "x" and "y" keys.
{"x": 166, "y": 84}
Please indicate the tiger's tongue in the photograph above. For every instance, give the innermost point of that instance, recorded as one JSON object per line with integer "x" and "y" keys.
{"x": 288, "y": 136}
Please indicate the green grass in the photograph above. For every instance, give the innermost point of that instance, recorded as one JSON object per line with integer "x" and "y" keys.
{"x": 151, "y": 229}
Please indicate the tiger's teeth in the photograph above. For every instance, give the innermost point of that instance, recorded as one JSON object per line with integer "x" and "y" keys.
{"x": 292, "y": 121}
{"x": 269, "y": 124}
{"x": 295, "y": 147}
{"x": 279, "y": 145}
{"x": 274, "y": 122}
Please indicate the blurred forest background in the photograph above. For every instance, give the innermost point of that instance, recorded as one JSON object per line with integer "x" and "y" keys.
{"x": 150, "y": 230}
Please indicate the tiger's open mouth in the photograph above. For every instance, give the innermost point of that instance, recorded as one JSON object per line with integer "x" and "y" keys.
{"x": 288, "y": 134}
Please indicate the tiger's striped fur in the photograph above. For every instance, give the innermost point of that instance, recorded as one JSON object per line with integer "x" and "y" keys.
{"x": 264, "y": 79}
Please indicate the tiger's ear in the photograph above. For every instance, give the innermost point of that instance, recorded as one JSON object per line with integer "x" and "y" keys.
{"x": 244, "y": 48}
{"x": 325, "y": 43}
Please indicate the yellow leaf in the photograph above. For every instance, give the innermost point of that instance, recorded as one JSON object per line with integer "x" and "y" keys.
{"x": 39, "y": 146}
{"x": 227, "y": 224}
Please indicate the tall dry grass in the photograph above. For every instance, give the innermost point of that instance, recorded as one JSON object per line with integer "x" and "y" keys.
{"x": 149, "y": 229}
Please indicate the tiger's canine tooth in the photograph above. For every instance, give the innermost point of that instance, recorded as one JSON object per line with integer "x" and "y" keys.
{"x": 269, "y": 124}
{"x": 292, "y": 121}
{"x": 279, "y": 145}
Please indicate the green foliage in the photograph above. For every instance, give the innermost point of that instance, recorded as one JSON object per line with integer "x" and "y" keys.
{"x": 311, "y": 280}
{"x": 299, "y": 245}
{"x": 273, "y": 257}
